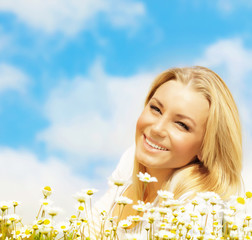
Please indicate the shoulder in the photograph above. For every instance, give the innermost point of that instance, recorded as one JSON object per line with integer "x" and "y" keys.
{"x": 125, "y": 166}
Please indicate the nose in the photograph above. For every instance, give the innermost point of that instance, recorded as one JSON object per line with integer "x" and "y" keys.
{"x": 159, "y": 128}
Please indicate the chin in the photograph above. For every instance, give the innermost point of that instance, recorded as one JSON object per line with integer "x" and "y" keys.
{"x": 146, "y": 163}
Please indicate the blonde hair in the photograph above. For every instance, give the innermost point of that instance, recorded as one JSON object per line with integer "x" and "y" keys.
{"x": 219, "y": 168}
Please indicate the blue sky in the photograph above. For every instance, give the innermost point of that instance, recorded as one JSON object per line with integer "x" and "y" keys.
{"x": 73, "y": 76}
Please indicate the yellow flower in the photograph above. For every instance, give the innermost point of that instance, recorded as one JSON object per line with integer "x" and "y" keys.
{"x": 55, "y": 233}
{"x": 215, "y": 223}
{"x": 234, "y": 227}
{"x": 249, "y": 194}
{"x": 213, "y": 212}
{"x": 233, "y": 208}
{"x": 39, "y": 222}
{"x": 80, "y": 197}
{"x": 241, "y": 200}
{"x": 174, "y": 220}
{"x": 53, "y": 211}
{"x": 15, "y": 203}
{"x": 47, "y": 191}
{"x": 8, "y": 223}
{"x": 118, "y": 182}
{"x": 27, "y": 232}
{"x": 90, "y": 191}
{"x": 107, "y": 232}
{"x": 146, "y": 178}
{"x": 63, "y": 227}
{"x": 47, "y": 188}
{"x": 135, "y": 218}
{"x": 35, "y": 227}
{"x": 73, "y": 218}
{"x": 124, "y": 224}
{"x": 188, "y": 227}
{"x": 46, "y": 221}
{"x": 46, "y": 202}
{"x": 81, "y": 208}
{"x": 4, "y": 205}
{"x": 84, "y": 220}
{"x": 182, "y": 209}
{"x": 78, "y": 223}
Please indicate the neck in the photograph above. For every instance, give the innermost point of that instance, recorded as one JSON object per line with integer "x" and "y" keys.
{"x": 162, "y": 175}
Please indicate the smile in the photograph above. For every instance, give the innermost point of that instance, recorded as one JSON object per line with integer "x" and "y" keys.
{"x": 154, "y": 145}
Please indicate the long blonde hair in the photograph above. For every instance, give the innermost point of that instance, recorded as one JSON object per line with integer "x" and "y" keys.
{"x": 219, "y": 168}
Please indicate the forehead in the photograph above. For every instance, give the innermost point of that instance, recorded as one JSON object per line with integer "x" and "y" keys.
{"x": 183, "y": 99}
{"x": 174, "y": 87}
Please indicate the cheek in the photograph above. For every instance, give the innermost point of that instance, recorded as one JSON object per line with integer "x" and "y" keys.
{"x": 138, "y": 129}
{"x": 141, "y": 123}
{"x": 185, "y": 145}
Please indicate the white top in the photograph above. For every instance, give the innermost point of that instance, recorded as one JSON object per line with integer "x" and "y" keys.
{"x": 123, "y": 171}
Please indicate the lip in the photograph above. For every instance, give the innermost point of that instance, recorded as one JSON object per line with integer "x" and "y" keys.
{"x": 152, "y": 149}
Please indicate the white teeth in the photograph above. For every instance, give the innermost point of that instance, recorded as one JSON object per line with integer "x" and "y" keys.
{"x": 155, "y": 146}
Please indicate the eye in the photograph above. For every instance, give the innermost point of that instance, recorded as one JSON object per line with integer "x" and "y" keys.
{"x": 183, "y": 125}
{"x": 155, "y": 108}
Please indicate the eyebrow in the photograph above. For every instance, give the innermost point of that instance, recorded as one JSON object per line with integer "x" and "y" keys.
{"x": 178, "y": 115}
{"x": 161, "y": 105}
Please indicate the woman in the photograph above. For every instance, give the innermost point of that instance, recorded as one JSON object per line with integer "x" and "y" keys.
{"x": 188, "y": 137}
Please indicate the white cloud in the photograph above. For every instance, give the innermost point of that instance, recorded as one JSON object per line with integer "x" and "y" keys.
{"x": 225, "y": 7}
{"x": 234, "y": 60}
{"x": 11, "y": 78}
{"x": 4, "y": 40}
{"x": 228, "y": 6}
{"x": 24, "y": 176}
{"x": 69, "y": 17}
{"x": 96, "y": 115}
{"x": 232, "y": 54}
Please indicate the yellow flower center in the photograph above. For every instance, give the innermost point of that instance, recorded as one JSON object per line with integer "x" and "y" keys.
{"x": 47, "y": 221}
{"x": 35, "y": 227}
{"x": 4, "y": 207}
{"x": 234, "y": 227}
{"x": 241, "y": 200}
{"x": 48, "y": 188}
{"x": 249, "y": 194}
{"x": 40, "y": 222}
{"x": 90, "y": 192}
{"x": 80, "y": 208}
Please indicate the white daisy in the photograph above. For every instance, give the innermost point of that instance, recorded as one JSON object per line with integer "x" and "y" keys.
{"x": 146, "y": 178}
{"x": 125, "y": 224}
{"x": 123, "y": 200}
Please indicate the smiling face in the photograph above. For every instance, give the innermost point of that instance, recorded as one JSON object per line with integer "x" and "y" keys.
{"x": 170, "y": 130}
